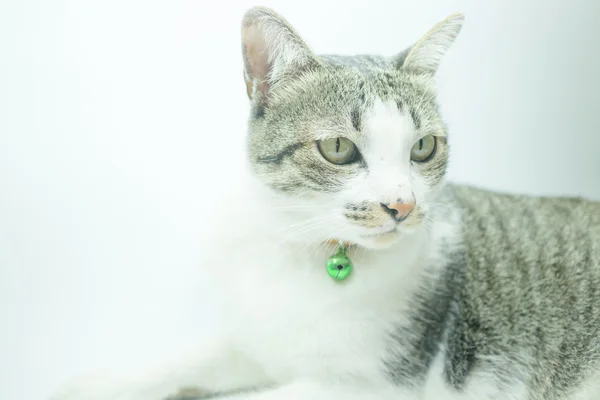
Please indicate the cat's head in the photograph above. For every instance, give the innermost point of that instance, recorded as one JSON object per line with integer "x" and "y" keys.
{"x": 354, "y": 145}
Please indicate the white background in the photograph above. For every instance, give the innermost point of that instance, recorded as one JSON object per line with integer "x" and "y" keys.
{"x": 119, "y": 120}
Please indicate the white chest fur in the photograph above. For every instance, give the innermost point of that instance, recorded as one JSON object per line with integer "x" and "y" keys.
{"x": 292, "y": 317}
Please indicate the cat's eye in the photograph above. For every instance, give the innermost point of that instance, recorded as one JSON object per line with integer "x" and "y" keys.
{"x": 424, "y": 149}
{"x": 338, "y": 151}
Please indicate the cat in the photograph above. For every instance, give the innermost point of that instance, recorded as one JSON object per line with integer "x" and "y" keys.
{"x": 445, "y": 292}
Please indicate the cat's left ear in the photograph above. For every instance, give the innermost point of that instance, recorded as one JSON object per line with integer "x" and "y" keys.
{"x": 426, "y": 55}
{"x": 273, "y": 52}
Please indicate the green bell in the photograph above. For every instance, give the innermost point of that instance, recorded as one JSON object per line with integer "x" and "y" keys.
{"x": 339, "y": 265}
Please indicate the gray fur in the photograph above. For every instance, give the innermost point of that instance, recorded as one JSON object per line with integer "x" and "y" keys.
{"x": 531, "y": 286}
{"x": 522, "y": 290}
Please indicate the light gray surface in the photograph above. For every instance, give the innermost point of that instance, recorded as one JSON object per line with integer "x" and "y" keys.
{"x": 103, "y": 149}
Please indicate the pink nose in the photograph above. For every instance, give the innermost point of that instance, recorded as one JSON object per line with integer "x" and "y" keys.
{"x": 398, "y": 211}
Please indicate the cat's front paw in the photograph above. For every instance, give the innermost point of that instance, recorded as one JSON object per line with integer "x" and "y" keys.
{"x": 190, "y": 394}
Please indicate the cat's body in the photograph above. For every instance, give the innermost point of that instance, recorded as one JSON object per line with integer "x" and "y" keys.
{"x": 504, "y": 306}
{"x": 456, "y": 293}
{"x": 524, "y": 285}
{"x": 506, "y": 302}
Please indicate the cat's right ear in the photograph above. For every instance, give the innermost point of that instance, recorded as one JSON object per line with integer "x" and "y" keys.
{"x": 272, "y": 51}
{"x": 426, "y": 55}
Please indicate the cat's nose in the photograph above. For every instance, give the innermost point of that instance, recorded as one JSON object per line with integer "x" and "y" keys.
{"x": 399, "y": 211}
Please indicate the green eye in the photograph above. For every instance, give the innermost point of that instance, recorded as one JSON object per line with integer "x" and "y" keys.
{"x": 424, "y": 149}
{"x": 337, "y": 151}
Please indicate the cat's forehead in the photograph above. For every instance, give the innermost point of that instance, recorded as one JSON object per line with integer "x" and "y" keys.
{"x": 370, "y": 102}
{"x": 387, "y": 129}
{"x": 367, "y": 101}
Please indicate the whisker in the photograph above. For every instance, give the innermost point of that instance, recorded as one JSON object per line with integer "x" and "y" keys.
{"x": 299, "y": 224}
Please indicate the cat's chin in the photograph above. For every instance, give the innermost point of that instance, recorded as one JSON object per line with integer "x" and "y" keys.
{"x": 372, "y": 242}
{"x": 379, "y": 241}
{"x": 384, "y": 240}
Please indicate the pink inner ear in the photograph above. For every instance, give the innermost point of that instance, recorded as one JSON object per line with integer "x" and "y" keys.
{"x": 256, "y": 57}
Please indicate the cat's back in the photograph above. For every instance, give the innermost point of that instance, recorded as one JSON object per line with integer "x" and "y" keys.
{"x": 547, "y": 214}
{"x": 530, "y": 288}
{"x": 521, "y": 233}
